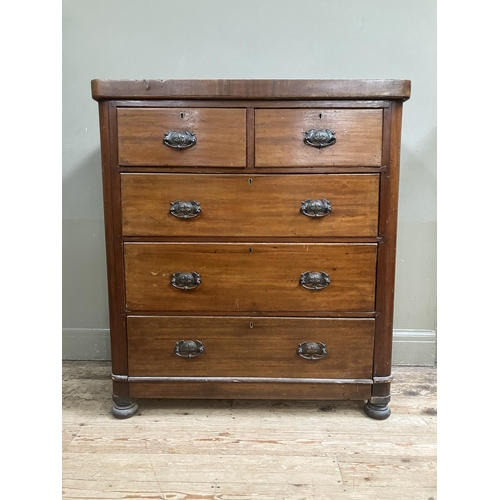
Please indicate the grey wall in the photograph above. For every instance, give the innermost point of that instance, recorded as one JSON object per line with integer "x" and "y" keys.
{"x": 243, "y": 39}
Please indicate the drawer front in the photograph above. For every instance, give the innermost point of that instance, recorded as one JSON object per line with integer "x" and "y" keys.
{"x": 299, "y": 390}
{"x": 219, "y": 135}
{"x": 250, "y": 277}
{"x": 250, "y": 347}
{"x": 263, "y": 205}
{"x": 280, "y": 134}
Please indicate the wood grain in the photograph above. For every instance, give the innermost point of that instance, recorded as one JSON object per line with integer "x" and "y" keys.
{"x": 114, "y": 249}
{"x": 251, "y": 171}
{"x": 276, "y": 391}
{"x": 279, "y": 137}
{"x": 246, "y": 347}
{"x": 248, "y": 247}
{"x": 387, "y": 250}
{"x": 241, "y": 449}
{"x": 251, "y": 103}
{"x": 251, "y": 89}
{"x": 237, "y": 279}
{"x": 220, "y": 137}
{"x": 249, "y": 206}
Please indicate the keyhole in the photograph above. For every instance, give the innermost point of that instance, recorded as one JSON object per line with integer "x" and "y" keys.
{"x": 182, "y": 115}
{"x": 250, "y": 250}
{"x": 320, "y": 116}
{"x": 250, "y": 181}
{"x": 251, "y": 324}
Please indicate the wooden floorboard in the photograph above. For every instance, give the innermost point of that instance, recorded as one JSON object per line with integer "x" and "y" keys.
{"x": 224, "y": 450}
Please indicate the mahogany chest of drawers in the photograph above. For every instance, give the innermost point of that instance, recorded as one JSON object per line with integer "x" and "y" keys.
{"x": 251, "y": 237}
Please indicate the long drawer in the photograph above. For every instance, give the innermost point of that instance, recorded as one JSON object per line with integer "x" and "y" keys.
{"x": 237, "y": 277}
{"x": 185, "y": 137}
{"x": 259, "y": 205}
{"x": 250, "y": 347}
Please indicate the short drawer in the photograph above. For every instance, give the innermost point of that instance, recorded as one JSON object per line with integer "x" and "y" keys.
{"x": 260, "y": 206}
{"x": 250, "y": 347}
{"x": 192, "y": 137}
{"x": 318, "y": 137}
{"x": 250, "y": 277}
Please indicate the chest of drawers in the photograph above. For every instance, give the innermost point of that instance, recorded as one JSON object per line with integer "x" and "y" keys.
{"x": 251, "y": 237}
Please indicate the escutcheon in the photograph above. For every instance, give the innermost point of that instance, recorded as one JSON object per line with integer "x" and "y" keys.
{"x": 314, "y": 281}
{"x": 185, "y": 209}
{"x": 189, "y": 348}
{"x": 316, "y": 208}
{"x": 320, "y": 138}
{"x": 179, "y": 139}
{"x": 312, "y": 350}
{"x": 186, "y": 281}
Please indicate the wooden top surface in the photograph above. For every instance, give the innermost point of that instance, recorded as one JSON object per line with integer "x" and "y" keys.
{"x": 251, "y": 89}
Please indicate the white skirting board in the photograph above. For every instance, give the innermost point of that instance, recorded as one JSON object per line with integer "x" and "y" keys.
{"x": 86, "y": 344}
{"x": 410, "y": 347}
{"x": 414, "y": 348}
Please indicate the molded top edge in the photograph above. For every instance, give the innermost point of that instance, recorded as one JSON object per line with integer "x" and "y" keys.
{"x": 251, "y": 89}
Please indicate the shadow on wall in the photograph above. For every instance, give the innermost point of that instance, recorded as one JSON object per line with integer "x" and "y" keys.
{"x": 415, "y": 290}
{"x": 84, "y": 283}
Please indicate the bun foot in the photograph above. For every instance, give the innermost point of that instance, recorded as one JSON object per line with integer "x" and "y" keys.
{"x": 378, "y": 412}
{"x": 124, "y": 407}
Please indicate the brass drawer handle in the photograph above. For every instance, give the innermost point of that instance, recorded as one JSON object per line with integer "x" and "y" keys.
{"x": 312, "y": 350}
{"x": 316, "y": 208}
{"x": 314, "y": 281}
{"x": 185, "y": 209}
{"x": 179, "y": 139}
{"x": 189, "y": 348}
{"x": 320, "y": 138}
{"x": 186, "y": 281}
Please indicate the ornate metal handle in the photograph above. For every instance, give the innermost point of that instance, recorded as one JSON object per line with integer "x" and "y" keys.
{"x": 312, "y": 350}
{"x": 316, "y": 208}
{"x": 314, "y": 281}
{"x": 320, "y": 138}
{"x": 189, "y": 348}
{"x": 179, "y": 139}
{"x": 185, "y": 209}
{"x": 186, "y": 281}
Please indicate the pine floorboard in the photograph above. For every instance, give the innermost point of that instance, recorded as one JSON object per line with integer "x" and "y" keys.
{"x": 235, "y": 450}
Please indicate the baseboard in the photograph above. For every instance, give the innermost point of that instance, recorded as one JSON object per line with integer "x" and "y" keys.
{"x": 410, "y": 347}
{"x": 414, "y": 348}
{"x": 86, "y": 344}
